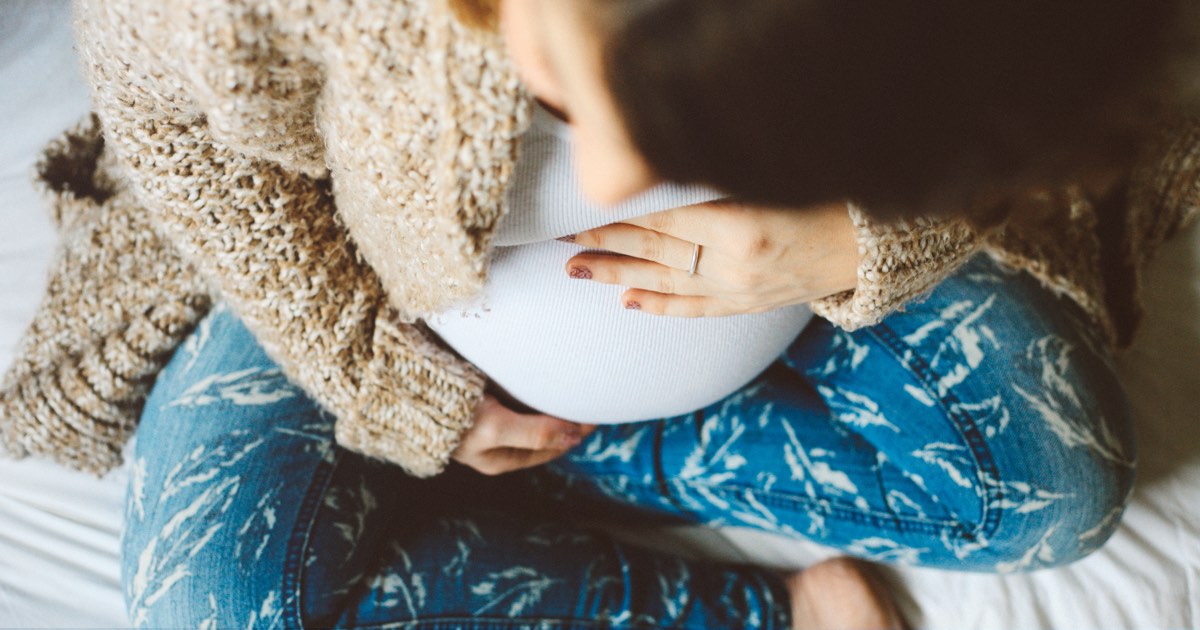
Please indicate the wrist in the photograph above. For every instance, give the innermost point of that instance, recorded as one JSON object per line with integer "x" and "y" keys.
{"x": 840, "y": 236}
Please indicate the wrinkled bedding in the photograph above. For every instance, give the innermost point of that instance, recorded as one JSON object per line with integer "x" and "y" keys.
{"x": 59, "y": 531}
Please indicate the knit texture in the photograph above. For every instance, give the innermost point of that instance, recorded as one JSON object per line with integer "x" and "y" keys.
{"x": 236, "y": 145}
{"x": 1165, "y": 193}
{"x": 898, "y": 261}
{"x": 335, "y": 170}
{"x": 118, "y": 302}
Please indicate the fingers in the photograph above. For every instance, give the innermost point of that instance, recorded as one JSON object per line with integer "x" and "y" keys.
{"x": 497, "y": 426}
{"x": 636, "y": 273}
{"x": 502, "y": 440}
{"x": 639, "y": 242}
{"x": 499, "y": 461}
{"x": 538, "y": 433}
{"x": 703, "y": 223}
{"x": 681, "y": 305}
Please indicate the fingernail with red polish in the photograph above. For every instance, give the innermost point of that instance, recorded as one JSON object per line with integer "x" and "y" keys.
{"x": 570, "y": 439}
{"x": 633, "y": 306}
{"x": 580, "y": 273}
{"x": 570, "y": 238}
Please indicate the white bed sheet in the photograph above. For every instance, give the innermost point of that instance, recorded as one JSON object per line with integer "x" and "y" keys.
{"x": 59, "y": 530}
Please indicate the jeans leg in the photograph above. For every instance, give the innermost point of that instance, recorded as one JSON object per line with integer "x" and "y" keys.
{"x": 242, "y": 512}
{"x": 981, "y": 429}
{"x": 226, "y": 458}
{"x": 488, "y": 569}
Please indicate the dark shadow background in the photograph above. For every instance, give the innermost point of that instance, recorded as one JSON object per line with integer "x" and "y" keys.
{"x": 1161, "y": 370}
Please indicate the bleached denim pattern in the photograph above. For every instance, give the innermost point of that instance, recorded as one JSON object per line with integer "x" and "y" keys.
{"x": 982, "y": 429}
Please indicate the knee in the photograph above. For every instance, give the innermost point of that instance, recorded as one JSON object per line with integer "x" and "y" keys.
{"x": 190, "y": 571}
{"x": 1097, "y": 508}
{"x": 1060, "y": 527}
{"x": 1069, "y": 475}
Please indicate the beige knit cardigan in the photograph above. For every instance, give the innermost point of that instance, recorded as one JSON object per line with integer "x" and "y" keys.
{"x": 335, "y": 171}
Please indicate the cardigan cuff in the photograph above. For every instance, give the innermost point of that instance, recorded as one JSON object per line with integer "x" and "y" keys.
{"x": 898, "y": 261}
{"x": 119, "y": 301}
{"x": 415, "y": 402}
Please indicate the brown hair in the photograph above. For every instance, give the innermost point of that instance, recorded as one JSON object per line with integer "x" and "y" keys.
{"x": 906, "y": 106}
{"x": 483, "y": 14}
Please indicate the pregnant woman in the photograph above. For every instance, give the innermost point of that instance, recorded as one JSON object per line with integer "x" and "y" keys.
{"x": 955, "y": 405}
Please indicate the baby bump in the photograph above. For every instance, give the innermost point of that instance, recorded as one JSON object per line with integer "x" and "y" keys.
{"x": 567, "y": 347}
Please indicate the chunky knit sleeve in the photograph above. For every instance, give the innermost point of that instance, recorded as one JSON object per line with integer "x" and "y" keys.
{"x": 263, "y": 230}
{"x": 1163, "y": 197}
{"x": 898, "y": 261}
{"x": 118, "y": 302}
{"x": 1165, "y": 189}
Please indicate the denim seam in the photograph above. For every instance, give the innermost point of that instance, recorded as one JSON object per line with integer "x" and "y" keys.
{"x": 661, "y": 486}
{"x": 298, "y": 542}
{"x": 963, "y": 421}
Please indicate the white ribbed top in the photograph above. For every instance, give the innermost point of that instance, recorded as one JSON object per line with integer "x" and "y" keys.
{"x": 567, "y": 347}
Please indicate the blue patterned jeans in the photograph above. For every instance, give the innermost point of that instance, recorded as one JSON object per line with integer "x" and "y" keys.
{"x": 981, "y": 429}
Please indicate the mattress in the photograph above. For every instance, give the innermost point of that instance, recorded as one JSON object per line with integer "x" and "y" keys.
{"x": 59, "y": 530}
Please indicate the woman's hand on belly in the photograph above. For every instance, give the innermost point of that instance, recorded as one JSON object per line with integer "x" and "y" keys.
{"x": 752, "y": 258}
{"x": 502, "y": 440}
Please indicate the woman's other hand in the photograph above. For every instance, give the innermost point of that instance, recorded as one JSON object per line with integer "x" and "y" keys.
{"x": 502, "y": 440}
{"x": 752, "y": 258}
